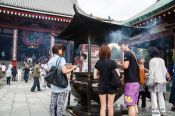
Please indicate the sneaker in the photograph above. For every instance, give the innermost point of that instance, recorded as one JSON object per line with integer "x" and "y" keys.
{"x": 173, "y": 109}
{"x": 33, "y": 91}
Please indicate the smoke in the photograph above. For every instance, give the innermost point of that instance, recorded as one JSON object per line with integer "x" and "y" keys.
{"x": 116, "y": 36}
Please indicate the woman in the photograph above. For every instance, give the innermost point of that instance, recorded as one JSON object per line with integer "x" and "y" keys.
{"x": 58, "y": 95}
{"x": 103, "y": 72}
{"x": 172, "y": 95}
{"x": 158, "y": 70}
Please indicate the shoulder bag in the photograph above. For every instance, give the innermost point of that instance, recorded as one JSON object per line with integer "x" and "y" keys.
{"x": 142, "y": 79}
{"x": 150, "y": 80}
{"x": 56, "y": 77}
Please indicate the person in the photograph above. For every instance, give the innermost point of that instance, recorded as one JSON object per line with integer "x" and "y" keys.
{"x": 143, "y": 88}
{"x": 9, "y": 74}
{"x": 131, "y": 85}
{"x": 1, "y": 74}
{"x": 19, "y": 74}
{"x": 26, "y": 71}
{"x": 3, "y": 67}
{"x": 58, "y": 94}
{"x": 172, "y": 94}
{"x": 31, "y": 72}
{"x": 84, "y": 62}
{"x": 42, "y": 75}
{"x": 158, "y": 70}
{"x": 36, "y": 76}
{"x": 14, "y": 72}
{"x": 103, "y": 71}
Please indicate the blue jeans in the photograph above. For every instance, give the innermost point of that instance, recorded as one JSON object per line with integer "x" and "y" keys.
{"x": 26, "y": 77}
{"x": 36, "y": 83}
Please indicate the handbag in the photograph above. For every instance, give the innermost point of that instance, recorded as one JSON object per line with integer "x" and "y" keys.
{"x": 150, "y": 80}
{"x": 56, "y": 77}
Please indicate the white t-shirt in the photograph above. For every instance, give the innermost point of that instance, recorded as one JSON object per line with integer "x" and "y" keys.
{"x": 3, "y": 67}
{"x": 158, "y": 70}
{"x": 8, "y": 73}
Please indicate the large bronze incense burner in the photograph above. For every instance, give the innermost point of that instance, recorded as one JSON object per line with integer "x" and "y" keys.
{"x": 85, "y": 29}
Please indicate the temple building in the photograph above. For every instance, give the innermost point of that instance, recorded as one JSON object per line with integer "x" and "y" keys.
{"x": 26, "y": 26}
{"x": 159, "y": 19}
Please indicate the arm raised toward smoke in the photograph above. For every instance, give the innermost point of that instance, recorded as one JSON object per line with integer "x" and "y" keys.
{"x": 124, "y": 64}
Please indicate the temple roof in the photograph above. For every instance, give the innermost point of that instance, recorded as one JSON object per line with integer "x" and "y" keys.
{"x": 154, "y": 9}
{"x": 55, "y": 7}
{"x": 84, "y": 25}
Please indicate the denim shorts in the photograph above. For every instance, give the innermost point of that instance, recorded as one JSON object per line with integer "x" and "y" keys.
{"x": 131, "y": 93}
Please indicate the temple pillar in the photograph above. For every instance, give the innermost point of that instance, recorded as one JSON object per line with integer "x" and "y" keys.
{"x": 173, "y": 46}
{"x": 52, "y": 43}
{"x": 15, "y": 40}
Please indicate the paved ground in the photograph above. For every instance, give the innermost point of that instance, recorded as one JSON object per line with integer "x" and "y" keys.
{"x": 17, "y": 100}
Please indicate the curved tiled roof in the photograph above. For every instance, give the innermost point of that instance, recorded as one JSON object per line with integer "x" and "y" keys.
{"x": 151, "y": 11}
{"x": 60, "y": 7}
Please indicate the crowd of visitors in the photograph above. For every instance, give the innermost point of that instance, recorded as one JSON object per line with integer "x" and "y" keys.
{"x": 132, "y": 66}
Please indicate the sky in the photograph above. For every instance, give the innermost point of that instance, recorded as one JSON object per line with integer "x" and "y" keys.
{"x": 117, "y": 9}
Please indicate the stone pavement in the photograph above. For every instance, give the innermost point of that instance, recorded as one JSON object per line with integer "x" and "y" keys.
{"x": 17, "y": 100}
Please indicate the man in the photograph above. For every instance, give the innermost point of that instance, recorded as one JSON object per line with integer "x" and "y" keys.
{"x": 3, "y": 68}
{"x": 131, "y": 87}
{"x": 85, "y": 63}
{"x": 14, "y": 72}
{"x": 36, "y": 76}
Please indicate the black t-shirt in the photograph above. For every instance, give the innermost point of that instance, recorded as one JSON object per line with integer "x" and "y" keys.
{"x": 105, "y": 68}
{"x": 26, "y": 71}
{"x": 131, "y": 74}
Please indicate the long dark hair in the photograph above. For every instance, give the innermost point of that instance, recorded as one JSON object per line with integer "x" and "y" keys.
{"x": 153, "y": 52}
